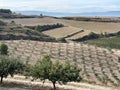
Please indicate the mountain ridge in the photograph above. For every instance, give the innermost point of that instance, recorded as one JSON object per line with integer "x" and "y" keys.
{"x": 62, "y": 14}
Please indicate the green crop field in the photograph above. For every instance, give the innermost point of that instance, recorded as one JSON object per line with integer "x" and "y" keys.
{"x": 113, "y": 42}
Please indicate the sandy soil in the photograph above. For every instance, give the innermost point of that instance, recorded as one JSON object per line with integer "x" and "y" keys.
{"x": 69, "y": 86}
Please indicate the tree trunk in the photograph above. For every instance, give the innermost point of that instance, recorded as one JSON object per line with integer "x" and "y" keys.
{"x": 54, "y": 87}
{"x": 1, "y": 79}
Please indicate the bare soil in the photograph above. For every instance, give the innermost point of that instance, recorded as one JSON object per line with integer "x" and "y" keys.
{"x": 20, "y": 83}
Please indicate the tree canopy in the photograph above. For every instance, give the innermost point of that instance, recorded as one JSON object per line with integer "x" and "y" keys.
{"x": 3, "y": 49}
{"x": 55, "y": 71}
{"x": 9, "y": 66}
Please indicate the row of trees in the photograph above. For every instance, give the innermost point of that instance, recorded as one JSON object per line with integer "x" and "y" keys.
{"x": 5, "y": 11}
{"x": 8, "y": 65}
{"x": 48, "y": 27}
{"x": 93, "y": 35}
{"x": 43, "y": 69}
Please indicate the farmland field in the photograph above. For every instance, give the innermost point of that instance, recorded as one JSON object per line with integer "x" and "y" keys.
{"x": 113, "y": 42}
{"x": 62, "y": 32}
{"x": 99, "y": 66}
{"x": 97, "y": 27}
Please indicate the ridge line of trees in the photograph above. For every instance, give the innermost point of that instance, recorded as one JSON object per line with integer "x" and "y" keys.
{"x": 93, "y": 35}
{"x": 42, "y": 28}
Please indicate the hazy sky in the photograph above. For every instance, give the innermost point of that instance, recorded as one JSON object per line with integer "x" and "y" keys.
{"x": 62, "y": 5}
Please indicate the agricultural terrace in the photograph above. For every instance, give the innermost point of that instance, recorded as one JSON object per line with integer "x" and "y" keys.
{"x": 72, "y": 26}
{"x": 99, "y": 66}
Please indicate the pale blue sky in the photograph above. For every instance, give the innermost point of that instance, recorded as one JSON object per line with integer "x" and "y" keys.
{"x": 62, "y": 5}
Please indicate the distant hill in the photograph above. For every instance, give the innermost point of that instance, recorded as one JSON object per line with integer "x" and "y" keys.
{"x": 109, "y": 13}
{"x": 7, "y": 13}
{"x": 61, "y": 14}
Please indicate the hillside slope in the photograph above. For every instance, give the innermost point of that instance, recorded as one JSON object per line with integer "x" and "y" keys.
{"x": 13, "y": 31}
{"x": 99, "y": 66}
{"x": 87, "y": 26}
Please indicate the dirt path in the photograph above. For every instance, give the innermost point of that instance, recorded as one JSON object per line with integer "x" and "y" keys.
{"x": 72, "y": 85}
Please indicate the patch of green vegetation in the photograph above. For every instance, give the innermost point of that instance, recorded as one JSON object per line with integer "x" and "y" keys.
{"x": 45, "y": 27}
{"x": 113, "y": 42}
{"x": 5, "y": 11}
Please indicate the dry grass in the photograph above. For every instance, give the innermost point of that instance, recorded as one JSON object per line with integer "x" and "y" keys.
{"x": 97, "y": 27}
{"x": 62, "y": 32}
{"x": 32, "y": 21}
{"x": 73, "y": 26}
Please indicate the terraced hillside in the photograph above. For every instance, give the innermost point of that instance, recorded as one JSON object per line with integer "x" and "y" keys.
{"x": 72, "y": 26}
{"x": 99, "y": 65}
{"x": 13, "y": 31}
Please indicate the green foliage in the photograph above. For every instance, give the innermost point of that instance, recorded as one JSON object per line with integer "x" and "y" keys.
{"x": 118, "y": 33}
{"x": 113, "y": 42}
{"x": 12, "y": 22}
{"x": 47, "y": 27}
{"x": 42, "y": 68}
{"x": 55, "y": 71}
{"x": 92, "y": 35}
{"x": 5, "y": 11}
{"x": 41, "y": 15}
{"x": 3, "y": 49}
{"x": 38, "y": 27}
{"x": 9, "y": 66}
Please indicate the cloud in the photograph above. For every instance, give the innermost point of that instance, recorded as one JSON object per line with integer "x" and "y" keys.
{"x": 61, "y": 5}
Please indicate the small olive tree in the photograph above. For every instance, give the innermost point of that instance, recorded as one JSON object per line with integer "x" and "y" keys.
{"x": 9, "y": 66}
{"x": 3, "y": 49}
{"x": 38, "y": 28}
{"x": 55, "y": 71}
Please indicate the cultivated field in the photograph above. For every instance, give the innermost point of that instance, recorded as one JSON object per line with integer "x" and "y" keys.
{"x": 99, "y": 66}
{"x": 113, "y": 42}
{"x": 62, "y": 32}
{"x": 72, "y": 25}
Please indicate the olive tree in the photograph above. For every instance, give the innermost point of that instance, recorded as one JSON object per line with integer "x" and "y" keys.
{"x": 9, "y": 66}
{"x": 3, "y": 49}
{"x": 55, "y": 71}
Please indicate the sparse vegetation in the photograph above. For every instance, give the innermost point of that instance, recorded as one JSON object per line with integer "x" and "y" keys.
{"x": 17, "y": 32}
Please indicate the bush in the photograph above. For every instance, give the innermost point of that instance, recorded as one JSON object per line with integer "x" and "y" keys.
{"x": 93, "y": 35}
{"x": 3, "y": 49}
{"x": 47, "y": 27}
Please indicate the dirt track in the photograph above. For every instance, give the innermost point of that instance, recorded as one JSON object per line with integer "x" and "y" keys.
{"x": 70, "y": 86}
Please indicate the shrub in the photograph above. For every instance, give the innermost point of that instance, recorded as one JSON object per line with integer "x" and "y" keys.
{"x": 3, "y": 49}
